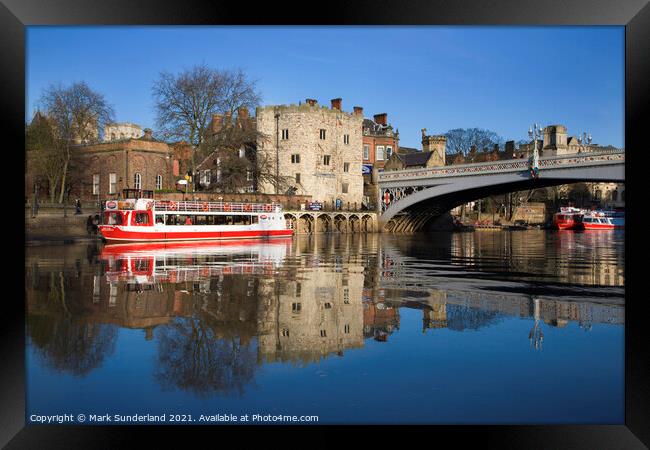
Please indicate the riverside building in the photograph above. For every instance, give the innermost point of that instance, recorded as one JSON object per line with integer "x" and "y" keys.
{"x": 317, "y": 148}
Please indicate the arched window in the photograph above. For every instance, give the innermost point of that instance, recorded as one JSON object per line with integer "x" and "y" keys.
{"x": 158, "y": 182}
{"x": 622, "y": 196}
{"x": 598, "y": 194}
{"x": 613, "y": 195}
{"x": 137, "y": 181}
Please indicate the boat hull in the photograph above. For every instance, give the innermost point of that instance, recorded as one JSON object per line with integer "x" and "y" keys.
{"x": 114, "y": 234}
{"x": 601, "y": 226}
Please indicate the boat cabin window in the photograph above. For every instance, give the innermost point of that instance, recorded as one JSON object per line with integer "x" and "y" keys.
{"x": 141, "y": 218}
{"x": 113, "y": 218}
{"x": 220, "y": 219}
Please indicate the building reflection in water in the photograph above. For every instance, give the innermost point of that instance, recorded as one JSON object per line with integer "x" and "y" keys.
{"x": 217, "y": 312}
{"x": 591, "y": 257}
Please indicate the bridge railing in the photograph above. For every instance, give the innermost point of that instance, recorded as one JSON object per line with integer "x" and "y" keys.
{"x": 510, "y": 165}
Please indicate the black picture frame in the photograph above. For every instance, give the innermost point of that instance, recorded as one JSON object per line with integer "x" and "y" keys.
{"x": 15, "y": 15}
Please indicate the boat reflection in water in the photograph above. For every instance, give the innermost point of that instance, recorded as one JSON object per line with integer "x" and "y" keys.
{"x": 217, "y": 318}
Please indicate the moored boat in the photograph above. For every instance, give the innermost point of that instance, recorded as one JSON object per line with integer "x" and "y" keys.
{"x": 569, "y": 218}
{"x": 603, "y": 220}
{"x": 149, "y": 220}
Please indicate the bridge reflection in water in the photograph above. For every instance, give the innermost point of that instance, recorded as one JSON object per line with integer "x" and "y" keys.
{"x": 217, "y": 313}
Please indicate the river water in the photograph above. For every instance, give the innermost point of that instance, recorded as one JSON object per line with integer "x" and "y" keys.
{"x": 479, "y": 327}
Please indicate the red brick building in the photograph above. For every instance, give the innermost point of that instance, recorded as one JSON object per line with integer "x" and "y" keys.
{"x": 379, "y": 143}
{"x": 136, "y": 163}
{"x": 101, "y": 170}
{"x": 379, "y": 140}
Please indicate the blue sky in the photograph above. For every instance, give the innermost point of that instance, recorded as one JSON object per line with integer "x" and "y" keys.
{"x": 434, "y": 77}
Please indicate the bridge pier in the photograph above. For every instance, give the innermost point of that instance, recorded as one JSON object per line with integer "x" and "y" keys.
{"x": 316, "y": 222}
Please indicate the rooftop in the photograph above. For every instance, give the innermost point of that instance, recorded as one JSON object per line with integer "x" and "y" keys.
{"x": 414, "y": 159}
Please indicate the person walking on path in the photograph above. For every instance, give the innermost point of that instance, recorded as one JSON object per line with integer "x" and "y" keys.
{"x": 77, "y": 204}
{"x": 89, "y": 225}
{"x": 95, "y": 224}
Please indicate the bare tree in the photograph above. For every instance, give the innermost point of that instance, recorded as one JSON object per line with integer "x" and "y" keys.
{"x": 45, "y": 158}
{"x": 185, "y": 102}
{"x": 460, "y": 140}
{"x": 232, "y": 153}
{"x": 77, "y": 113}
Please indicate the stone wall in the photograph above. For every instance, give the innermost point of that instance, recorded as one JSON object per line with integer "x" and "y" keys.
{"x": 533, "y": 213}
{"x": 324, "y": 182}
{"x": 117, "y": 131}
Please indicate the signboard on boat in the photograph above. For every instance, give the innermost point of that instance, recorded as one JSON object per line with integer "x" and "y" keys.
{"x": 111, "y": 204}
{"x": 315, "y": 206}
{"x": 125, "y": 205}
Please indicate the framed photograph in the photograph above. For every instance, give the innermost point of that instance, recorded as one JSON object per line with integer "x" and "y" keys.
{"x": 387, "y": 214}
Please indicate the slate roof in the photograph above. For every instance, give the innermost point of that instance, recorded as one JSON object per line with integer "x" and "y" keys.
{"x": 407, "y": 150}
{"x": 414, "y": 159}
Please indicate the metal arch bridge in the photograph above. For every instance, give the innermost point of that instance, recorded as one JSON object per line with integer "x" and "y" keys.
{"x": 412, "y": 197}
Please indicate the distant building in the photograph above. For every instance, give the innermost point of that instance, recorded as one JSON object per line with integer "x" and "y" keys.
{"x": 432, "y": 154}
{"x": 556, "y": 141}
{"x": 124, "y": 130}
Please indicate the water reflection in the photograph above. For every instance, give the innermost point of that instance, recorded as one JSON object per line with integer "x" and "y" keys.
{"x": 217, "y": 313}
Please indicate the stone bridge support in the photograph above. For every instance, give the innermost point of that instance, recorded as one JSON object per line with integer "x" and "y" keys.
{"x": 309, "y": 222}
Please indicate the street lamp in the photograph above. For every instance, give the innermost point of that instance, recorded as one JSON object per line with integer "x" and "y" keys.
{"x": 584, "y": 141}
{"x": 535, "y": 132}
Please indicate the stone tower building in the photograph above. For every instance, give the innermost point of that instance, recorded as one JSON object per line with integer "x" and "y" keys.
{"x": 318, "y": 149}
{"x": 435, "y": 144}
{"x": 555, "y": 140}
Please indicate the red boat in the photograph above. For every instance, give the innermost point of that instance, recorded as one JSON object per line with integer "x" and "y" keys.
{"x": 147, "y": 220}
{"x": 146, "y": 263}
{"x": 568, "y": 218}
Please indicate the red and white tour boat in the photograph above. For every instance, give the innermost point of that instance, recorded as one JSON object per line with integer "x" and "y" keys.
{"x": 147, "y": 220}
{"x": 603, "y": 220}
{"x": 569, "y": 218}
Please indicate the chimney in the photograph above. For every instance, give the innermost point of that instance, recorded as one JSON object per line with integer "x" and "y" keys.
{"x": 336, "y": 103}
{"x": 228, "y": 115}
{"x": 381, "y": 119}
{"x": 217, "y": 121}
{"x": 242, "y": 113}
{"x": 424, "y": 132}
{"x": 311, "y": 101}
{"x": 358, "y": 111}
{"x": 148, "y": 134}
